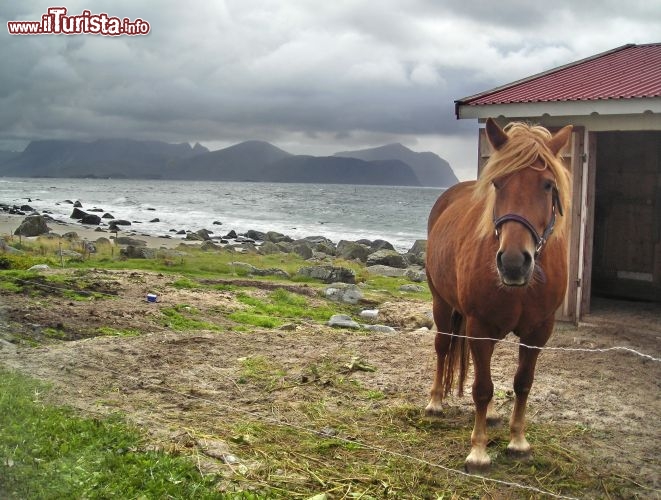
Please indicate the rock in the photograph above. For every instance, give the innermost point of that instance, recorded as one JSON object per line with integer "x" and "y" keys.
{"x": 78, "y": 204}
{"x": 419, "y": 246}
{"x": 217, "y": 223}
{"x": 244, "y": 239}
{"x": 377, "y": 245}
{"x": 181, "y": 231}
{"x": 102, "y": 242}
{"x": 343, "y": 321}
{"x": 40, "y": 267}
{"x": 255, "y": 271}
{"x": 392, "y": 272}
{"x": 268, "y": 248}
{"x": 329, "y": 274}
{"x": 351, "y": 250}
{"x": 411, "y": 288}
{"x": 138, "y": 252}
{"x": 389, "y": 258}
{"x": 68, "y": 201}
{"x": 70, "y": 236}
{"x": 416, "y": 275}
{"x": 97, "y": 210}
{"x": 409, "y": 315}
{"x": 120, "y": 222}
{"x": 194, "y": 237}
{"x": 156, "y": 219}
{"x": 255, "y": 235}
{"x": 369, "y": 313}
{"x": 27, "y": 208}
{"x": 231, "y": 235}
{"x": 8, "y": 249}
{"x": 417, "y": 255}
{"x": 32, "y": 225}
{"x": 204, "y": 234}
{"x": 210, "y": 245}
{"x": 77, "y": 214}
{"x": 275, "y": 237}
{"x": 70, "y": 253}
{"x": 91, "y": 219}
{"x": 285, "y": 247}
{"x": 303, "y": 249}
{"x": 127, "y": 240}
{"x": 313, "y": 240}
{"x": 380, "y": 328}
{"x": 107, "y": 216}
{"x": 342, "y": 292}
{"x": 325, "y": 248}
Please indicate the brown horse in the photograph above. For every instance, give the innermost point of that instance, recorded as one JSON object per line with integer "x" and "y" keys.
{"x": 497, "y": 263}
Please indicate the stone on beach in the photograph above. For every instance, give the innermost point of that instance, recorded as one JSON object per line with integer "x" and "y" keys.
{"x": 32, "y": 225}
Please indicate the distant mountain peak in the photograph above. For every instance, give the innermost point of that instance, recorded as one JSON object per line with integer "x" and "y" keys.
{"x": 430, "y": 169}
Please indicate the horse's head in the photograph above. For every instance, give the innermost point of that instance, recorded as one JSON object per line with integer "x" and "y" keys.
{"x": 526, "y": 201}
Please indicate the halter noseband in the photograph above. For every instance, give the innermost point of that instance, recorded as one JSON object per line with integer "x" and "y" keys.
{"x": 540, "y": 241}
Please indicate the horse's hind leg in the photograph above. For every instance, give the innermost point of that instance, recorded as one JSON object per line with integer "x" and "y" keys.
{"x": 443, "y": 322}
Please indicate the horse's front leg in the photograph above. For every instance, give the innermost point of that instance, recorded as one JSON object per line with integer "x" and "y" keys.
{"x": 481, "y": 351}
{"x": 525, "y": 374}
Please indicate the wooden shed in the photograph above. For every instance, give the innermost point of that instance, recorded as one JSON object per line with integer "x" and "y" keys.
{"x": 613, "y": 99}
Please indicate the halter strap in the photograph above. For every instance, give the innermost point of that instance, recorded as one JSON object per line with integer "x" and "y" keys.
{"x": 540, "y": 241}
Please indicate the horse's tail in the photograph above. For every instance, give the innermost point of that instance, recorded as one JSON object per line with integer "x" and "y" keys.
{"x": 457, "y": 359}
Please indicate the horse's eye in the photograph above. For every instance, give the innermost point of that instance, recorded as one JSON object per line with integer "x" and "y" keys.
{"x": 548, "y": 185}
{"x": 496, "y": 184}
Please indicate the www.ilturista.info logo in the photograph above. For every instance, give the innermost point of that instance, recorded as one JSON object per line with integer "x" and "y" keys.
{"x": 56, "y": 22}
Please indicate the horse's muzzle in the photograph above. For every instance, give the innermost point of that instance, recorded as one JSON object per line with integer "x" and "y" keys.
{"x": 515, "y": 268}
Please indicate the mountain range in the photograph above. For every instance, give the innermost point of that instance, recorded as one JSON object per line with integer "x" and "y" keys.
{"x": 253, "y": 161}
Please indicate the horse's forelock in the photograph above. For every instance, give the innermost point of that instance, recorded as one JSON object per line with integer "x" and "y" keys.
{"x": 526, "y": 145}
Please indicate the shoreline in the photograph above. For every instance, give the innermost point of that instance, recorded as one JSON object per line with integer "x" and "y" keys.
{"x": 10, "y": 222}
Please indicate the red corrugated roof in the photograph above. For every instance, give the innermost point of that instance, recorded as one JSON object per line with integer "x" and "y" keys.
{"x": 630, "y": 71}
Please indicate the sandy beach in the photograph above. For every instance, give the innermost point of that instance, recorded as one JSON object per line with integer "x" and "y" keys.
{"x": 9, "y": 223}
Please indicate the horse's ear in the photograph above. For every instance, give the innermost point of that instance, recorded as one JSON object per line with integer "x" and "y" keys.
{"x": 559, "y": 140}
{"x": 495, "y": 134}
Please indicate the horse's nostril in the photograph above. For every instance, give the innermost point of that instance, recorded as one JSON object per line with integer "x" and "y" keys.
{"x": 499, "y": 259}
{"x": 527, "y": 260}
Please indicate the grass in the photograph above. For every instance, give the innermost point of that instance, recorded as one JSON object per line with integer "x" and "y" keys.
{"x": 50, "y": 452}
{"x": 182, "y": 317}
{"x": 279, "y": 307}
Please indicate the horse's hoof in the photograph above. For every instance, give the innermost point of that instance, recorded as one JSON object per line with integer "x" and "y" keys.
{"x": 433, "y": 411}
{"x": 494, "y": 421}
{"x": 478, "y": 462}
{"x": 519, "y": 454}
{"x": 479, "y": 468}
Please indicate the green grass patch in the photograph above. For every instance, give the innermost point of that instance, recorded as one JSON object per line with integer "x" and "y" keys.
{"x": 279, "y": 307}
{"x": 183, "y": 317}
{"x": 50, "y": 452}
{"x": 114, "y": 332}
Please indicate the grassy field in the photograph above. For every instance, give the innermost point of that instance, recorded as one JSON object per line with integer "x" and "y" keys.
{"x": 324, "y": 431}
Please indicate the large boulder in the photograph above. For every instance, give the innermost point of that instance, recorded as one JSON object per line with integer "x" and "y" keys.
{"x": 389, "y": 258}
{"x": 417, "y": 254}
{"x": 91, "y": 219}
{"x": 303, "y": 249}
{"x": 275, "y": 237}
{"x": 329, "y": 274}
{"x": 77, "y": 214}
{"x": 255, "y": 235}
{"x": 377, "y": 245}
{"x": 351, "y": 250}
{"x": 127, "y": 240}
{"x": 138, "y": 252}
{"x": 32, "y": 225}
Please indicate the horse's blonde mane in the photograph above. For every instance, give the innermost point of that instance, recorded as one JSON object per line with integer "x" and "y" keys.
{"x": 525, "y": 145}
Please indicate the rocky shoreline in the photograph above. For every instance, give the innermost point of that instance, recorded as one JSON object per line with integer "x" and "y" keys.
{"x": 379, "y": 256}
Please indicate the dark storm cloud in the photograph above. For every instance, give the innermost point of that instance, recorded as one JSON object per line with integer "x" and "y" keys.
{"x": 298, "y": 72}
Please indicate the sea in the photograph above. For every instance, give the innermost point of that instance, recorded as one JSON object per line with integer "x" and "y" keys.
{"x": 338, "y": 212}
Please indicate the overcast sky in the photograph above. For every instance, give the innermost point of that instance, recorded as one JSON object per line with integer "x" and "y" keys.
{"x": 310, "y": 76}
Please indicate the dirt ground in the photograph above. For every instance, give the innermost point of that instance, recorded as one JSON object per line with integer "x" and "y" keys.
{"x": 615, "y": 393}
